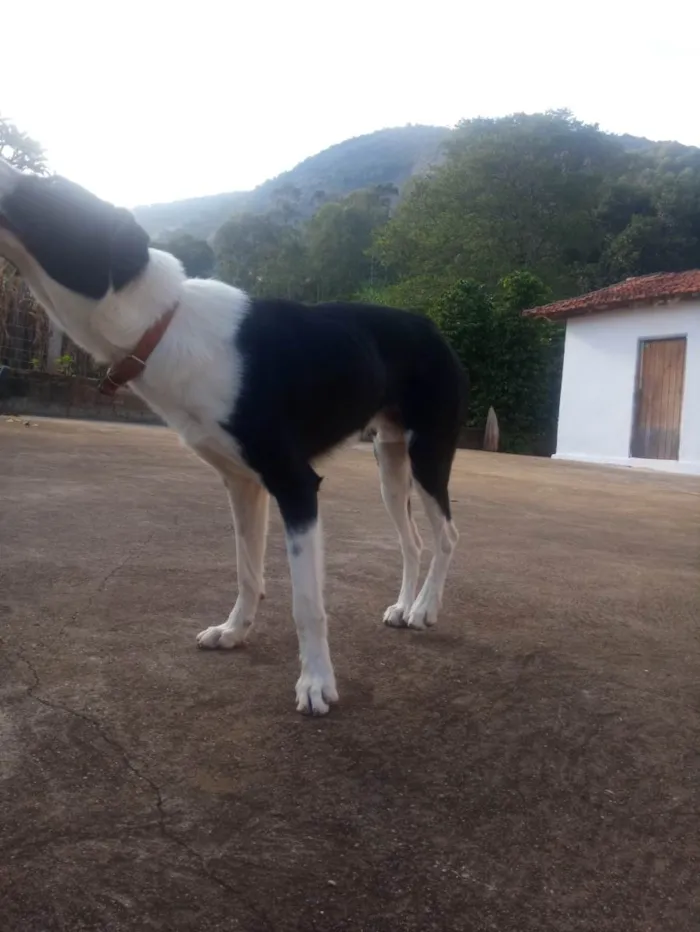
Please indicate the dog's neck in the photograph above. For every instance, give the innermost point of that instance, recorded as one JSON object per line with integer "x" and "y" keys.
{"x": 112, "y": 326}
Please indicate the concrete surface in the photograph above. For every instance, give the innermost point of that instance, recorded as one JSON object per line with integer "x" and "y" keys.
{"x": 531, "y": 764}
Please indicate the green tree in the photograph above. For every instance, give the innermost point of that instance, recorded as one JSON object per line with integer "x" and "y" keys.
{"x": 339, "y": 238}
{"x": 514, "y": 362}
{"x": 531, "y": 350}
{"x": 21, "y": 150}
{"x": 287, "y": 203}
{"x": 646, "y": 245}
{"x": 261, "y": 254}
{"x": 651, "y": 223}
{"x": 519, "y": 192}
{"x": 196, "y": 255}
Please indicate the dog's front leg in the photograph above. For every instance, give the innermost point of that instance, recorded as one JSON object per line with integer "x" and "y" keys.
{"x": 316, "y": 685}
{"x": 298, "y": 503}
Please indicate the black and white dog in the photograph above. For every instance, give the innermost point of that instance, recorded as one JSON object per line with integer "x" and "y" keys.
{"x": 259, "y": 389}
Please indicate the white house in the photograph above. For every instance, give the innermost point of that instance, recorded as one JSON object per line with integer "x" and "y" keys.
{"x": 630, "y": 392}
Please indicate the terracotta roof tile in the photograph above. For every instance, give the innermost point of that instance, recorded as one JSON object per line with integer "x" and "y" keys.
{"x": 647, "y": 288}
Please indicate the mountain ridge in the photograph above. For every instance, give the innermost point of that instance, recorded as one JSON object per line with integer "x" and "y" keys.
{"x": 389, "y": 156}
{"x": 385, "y": 156}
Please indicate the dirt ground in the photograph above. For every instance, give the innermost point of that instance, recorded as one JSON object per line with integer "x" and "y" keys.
{"x": 532, "y": 764}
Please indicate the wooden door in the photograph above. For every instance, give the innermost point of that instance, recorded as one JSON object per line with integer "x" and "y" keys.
{"x": 656, "y": 431}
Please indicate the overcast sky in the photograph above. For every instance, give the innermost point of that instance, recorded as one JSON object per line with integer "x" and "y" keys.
{"x": 141, "y": 103}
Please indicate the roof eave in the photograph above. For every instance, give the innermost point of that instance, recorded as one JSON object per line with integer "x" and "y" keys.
{"x": 567, "y": 313}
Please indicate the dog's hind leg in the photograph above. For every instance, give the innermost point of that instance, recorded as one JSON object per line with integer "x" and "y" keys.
{"x": 249, "y": 507}
{"x": 431, "y": 461}
{"x": 391, "y": 450}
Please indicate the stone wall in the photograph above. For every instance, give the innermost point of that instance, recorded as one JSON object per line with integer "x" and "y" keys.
{"x": 43, "y": 394}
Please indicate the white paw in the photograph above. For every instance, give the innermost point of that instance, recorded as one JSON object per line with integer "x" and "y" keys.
{"x": 315, "y": 692}
{"x": 396, "y": 616}
{"x": 423, "y": 614}
{"x": 220, "y": 637}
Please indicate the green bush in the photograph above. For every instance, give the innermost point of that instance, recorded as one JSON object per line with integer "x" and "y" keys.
{"x": 514, "y": 362}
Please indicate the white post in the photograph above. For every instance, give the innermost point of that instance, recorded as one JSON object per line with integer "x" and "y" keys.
{"x": 491, "y": 434}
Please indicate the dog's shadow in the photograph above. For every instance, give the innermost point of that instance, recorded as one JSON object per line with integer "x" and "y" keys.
{"x": 434, "y": 639}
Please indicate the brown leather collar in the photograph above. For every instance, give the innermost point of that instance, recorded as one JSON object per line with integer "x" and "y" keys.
{"x": 133, "y": 365}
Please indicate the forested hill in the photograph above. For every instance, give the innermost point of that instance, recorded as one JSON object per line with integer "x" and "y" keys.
{"x": 385, "y": 157}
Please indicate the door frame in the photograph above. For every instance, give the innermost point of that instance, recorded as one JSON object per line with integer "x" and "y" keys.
{"x": 637, "y": 387}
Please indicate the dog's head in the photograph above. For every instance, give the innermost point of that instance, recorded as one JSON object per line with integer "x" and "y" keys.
{"x": 83, "y": 243}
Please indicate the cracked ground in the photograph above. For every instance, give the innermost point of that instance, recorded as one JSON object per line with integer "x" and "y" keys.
{"x": 532, "y": 765}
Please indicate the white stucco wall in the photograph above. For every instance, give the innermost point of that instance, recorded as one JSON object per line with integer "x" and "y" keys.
{"x": 598, "y": 381}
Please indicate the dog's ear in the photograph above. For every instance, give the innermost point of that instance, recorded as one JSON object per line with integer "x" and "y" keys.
{"x": 128, "y": 253}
